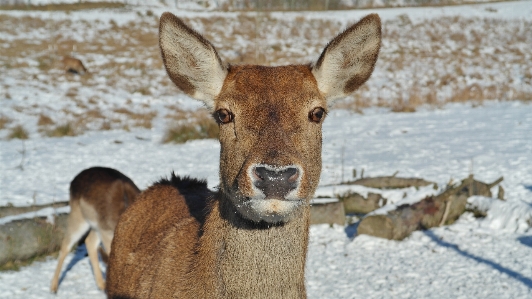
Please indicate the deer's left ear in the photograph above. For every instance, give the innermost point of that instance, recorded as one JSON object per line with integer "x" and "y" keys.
{"x": 348, "y": 60}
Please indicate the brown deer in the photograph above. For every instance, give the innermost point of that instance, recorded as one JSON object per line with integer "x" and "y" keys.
{"x": 73, "y": 65}
{"x": 248, "y": 239}
{"x": 98, "y": 196}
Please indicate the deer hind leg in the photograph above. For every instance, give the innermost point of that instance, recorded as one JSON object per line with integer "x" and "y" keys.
{"x": 92, "y": 242}
{"x": 76, "y": 228}
{"x": 107, "y": 238}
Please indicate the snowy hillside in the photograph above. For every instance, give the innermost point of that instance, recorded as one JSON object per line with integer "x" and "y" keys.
{"x": 264, "y": 4}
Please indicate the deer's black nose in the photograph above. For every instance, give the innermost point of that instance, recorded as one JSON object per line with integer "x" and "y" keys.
{"x": 275, "y": 183}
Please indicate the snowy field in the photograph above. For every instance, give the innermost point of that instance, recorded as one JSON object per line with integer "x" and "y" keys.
{"x": 473, "y": 258}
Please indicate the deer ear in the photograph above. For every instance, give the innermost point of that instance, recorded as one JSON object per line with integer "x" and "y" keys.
{"x": 348, "y": 60}
{"x": 190, "y": 60}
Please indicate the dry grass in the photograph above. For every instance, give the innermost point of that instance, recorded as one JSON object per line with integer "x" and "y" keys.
{"x": 4, "y": 120}
{"x": 66, "y": 129}
{"x": 263, "y": 39}
{"x": 71, "y": 92}
{"x": 64, "y": 7}
{"x": 400, "y": 105}
{"x": 18, "y": 132}
{"x": 44, "y": 120}
{"x": 522, "y": 96}
{"x": 421, "y": 64}
{"x": 472, "y": 93}
{"x": 200, "y": 126}
{"x": 449, "y": 60}
{"x": 140, "y": 119}
{"x": 320, "y": 5}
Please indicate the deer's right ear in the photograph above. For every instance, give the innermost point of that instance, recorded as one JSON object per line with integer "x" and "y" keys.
{"x": 349, "y": 59}
{"x": 190, "y": 60}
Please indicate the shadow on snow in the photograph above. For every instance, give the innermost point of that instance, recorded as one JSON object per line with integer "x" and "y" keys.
{"x": 351, "y": 230}
{"x": 515, "y": 275}
{"x": 81, "y": 253}
{"x": 525, "y": 240}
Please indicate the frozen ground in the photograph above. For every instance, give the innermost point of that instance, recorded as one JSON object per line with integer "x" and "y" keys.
{"x": 474, "y": 258}
{"x": 429, "y": 55}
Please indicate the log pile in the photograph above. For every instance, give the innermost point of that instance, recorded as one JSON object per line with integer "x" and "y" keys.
{"x": 27, "y": 238}
{"x": 432, "y": 211}
{"x": 390, "y": 182}
{"x": 355, "y": 203}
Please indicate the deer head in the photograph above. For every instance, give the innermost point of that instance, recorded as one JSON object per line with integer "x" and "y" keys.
{"x": 270, "y": 118}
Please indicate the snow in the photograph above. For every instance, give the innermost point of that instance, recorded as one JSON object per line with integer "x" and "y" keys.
{"x": 473, "y": 258}
{"x": 46, "y": 212}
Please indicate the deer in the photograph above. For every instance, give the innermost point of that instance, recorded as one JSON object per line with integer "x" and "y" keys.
{"x": 73, "y": 65}
{"x": 98, "y": 196}
{"x": 248, "y": 238}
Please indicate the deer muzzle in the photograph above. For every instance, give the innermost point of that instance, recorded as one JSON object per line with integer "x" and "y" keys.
{"x": 276, "y": 182}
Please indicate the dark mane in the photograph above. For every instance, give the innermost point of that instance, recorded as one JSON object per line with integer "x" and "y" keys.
{"x": 195, "y": 191}
{"x": 182, "y": 183}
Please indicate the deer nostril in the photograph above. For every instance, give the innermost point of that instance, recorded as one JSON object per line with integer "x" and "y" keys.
{"x": 275, "y": 183}
{"x": 294, "y": 177}
{"x": 260, "y": 173}
{"x": 256, "y": 175}
{"x": 290, "y": 174}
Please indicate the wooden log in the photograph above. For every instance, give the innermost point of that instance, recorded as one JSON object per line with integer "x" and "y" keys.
{"x": 24, "y": 239}
{"x": 355, "y": 203}
{"x": 429, "y": 212}
{"x": 390, "y": 182}
{"x": 11, "y": 210}
{"x": 330, "y": 213}
{"x": 480, "y": 188}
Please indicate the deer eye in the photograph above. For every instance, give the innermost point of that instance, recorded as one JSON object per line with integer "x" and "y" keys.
{"x": 316, "y": 115}
{"x": 223, "y": 116}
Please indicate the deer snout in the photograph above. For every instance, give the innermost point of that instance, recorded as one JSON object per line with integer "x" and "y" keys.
{"x": 275, "y": 183}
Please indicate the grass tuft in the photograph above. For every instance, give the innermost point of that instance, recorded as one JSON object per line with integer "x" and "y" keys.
{"x": 4, "y": 120}
{"x": 18, "y": 132}
{"x": 201, "y": 128}
{"x": 140, "y": 119}
{"x": 64, "y": 7}
{"x": 44, "y": 120}
{"x": 67, "y": 129}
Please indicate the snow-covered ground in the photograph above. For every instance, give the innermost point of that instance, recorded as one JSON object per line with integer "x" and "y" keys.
{"x": 240, "y": 4}
{"x": 473, "y": 258}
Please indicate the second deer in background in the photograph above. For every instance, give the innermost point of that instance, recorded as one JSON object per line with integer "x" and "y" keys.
{"x": 98, "y": 196}
{"x": 73, "y": 65}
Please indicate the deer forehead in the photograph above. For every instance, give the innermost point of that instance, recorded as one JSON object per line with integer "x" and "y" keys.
{"x": 274, "y": 94}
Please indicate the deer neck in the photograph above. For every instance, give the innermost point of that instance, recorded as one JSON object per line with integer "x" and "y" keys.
{"x": 243, "y": 259}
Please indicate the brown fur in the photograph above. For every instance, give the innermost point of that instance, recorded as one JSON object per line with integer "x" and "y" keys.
{"x": 98, "y": 196}
{"x": 180, "y": 240}
{"x": 73, "y": 65}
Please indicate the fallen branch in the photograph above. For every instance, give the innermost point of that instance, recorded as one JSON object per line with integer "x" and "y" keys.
{"x": 446, "y": 213}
